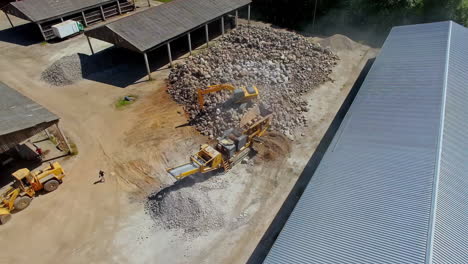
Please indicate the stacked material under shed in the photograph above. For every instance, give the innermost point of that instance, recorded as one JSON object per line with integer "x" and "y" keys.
{"x": 49, "y": 12}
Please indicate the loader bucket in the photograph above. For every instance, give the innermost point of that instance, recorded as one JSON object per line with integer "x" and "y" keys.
{"x": 5, "y": 216}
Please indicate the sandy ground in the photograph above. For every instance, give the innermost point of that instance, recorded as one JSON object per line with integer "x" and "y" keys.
{"x": 84, "y": 222}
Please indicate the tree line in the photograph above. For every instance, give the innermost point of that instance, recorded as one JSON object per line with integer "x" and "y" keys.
{"x": 366, "y": 19}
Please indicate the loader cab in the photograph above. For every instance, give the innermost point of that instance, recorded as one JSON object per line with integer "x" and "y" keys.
{"x": 25, "y": 180}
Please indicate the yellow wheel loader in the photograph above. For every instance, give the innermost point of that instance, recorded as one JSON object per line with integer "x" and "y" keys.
{"x": 232, "y": 147}
{"x": 19, "y": 194}
{"x": 241, "y": 95}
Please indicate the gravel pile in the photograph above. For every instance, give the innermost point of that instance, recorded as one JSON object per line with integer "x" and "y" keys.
{"x": 283, "y": 66}
{"x": 64, "y": 71}
{"x": 110, "y": 64}
{"x": 188, "y": 209}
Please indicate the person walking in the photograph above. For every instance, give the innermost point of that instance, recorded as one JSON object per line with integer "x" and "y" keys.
{"x": 101, "y": 176}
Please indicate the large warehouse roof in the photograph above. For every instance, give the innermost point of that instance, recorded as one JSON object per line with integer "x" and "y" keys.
{"x": 40, "y": 10}
{"x": 148, "y": 29}
{"x": 17, "y": 112}
{"x": 393, "y": 184}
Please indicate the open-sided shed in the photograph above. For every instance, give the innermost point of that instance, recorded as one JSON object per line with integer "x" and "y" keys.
{"x": 46, "y": 13}
{"x": 158, "y": 26}
{"x": 21, "y": 118}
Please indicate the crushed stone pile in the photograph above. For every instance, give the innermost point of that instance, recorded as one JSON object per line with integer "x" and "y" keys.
{"x": 282, "y": 65}
{"x": 64, "y": 71}
{"x": 109, "y": 63}
{"x": 188, "y": 209}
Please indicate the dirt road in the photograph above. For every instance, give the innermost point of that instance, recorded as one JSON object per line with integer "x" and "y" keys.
{"x": 107, "y": 223}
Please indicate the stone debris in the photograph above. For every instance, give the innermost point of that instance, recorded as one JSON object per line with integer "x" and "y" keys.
{"x": 282, "y": 65}
{"x": 64, "y": 71}
{"x": 189, "y": 209}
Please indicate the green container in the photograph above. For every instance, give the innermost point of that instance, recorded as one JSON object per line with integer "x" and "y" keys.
{"x": 80, "y": 26}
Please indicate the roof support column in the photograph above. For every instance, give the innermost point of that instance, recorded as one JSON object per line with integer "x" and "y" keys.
{"x": 222, "y": 25}
{"x": 61, "y": 19}
{"x": 42, "y": 31}
{"x": 147, "y": 66}
{"x": 248, "y": 14}
{"x": 9, "y": 20}
{"x": 118, "y": 7}
{"x": 47, "y": 133}
{"x": 169, "y": 53}
{"x": 84, "y": 19}
{"x": 65, "y": 140}
{"x": 237, "y": 18}
{"x": 189, "y": 43}
{"x": 207, "y": 36}
{"x": 90, "y": 46}
{"x": 102, "y": 14}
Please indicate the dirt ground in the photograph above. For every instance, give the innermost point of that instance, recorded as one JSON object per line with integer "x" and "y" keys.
{"x": 84, "y": 222}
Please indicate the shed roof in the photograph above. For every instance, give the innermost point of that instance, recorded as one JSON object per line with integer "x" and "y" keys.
{"x": 18, "y": 112}
{"x": 155, "y": 26}
{"x": 40, "y": 10}
{"x": 393, "y": 184}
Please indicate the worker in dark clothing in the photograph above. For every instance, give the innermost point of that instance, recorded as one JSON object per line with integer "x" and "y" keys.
{"x": 101, "y": 176}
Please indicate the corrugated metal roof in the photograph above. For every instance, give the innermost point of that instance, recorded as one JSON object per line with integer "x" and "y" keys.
{"x": 451, "y": 221}
{"x": 150, "y": 28}
{"x": 38, "y": 10}
{"x": 17, "y": 112}
{"x": 392, "y": 188}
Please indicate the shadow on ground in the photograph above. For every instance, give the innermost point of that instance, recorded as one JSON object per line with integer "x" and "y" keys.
{"x": 23, "y": 35}
{"x": 18, "y": 163}
{"x": 121, "y": 67}
{"x": 269, "y": 238}
{"x": 186, "y": 182}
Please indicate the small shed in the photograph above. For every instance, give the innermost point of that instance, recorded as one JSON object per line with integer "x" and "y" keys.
{"x": 46, "y": 13}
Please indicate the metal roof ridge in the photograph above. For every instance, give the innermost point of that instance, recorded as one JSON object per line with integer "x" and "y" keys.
{"x": 435, "y": 189}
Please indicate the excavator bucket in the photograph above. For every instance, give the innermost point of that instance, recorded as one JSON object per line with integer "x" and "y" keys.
{"x": 5, "y": 216}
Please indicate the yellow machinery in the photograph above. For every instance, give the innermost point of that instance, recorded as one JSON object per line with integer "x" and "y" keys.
{"x": 231, "y": 148}
{"x": 241, "y": 94}
{"x": 18, "y": 195}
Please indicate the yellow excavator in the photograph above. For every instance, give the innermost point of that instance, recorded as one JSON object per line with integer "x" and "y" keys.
{"x": 19, "y": 194}
{"x": 241, "y": 94}
{"x": 231, "y": 147}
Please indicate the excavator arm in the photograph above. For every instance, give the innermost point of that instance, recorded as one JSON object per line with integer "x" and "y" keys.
{"x": 212, "y": 89}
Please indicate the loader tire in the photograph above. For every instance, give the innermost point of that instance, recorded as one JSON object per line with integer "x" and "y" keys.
{"x": 51, "y": 185}
{"x": 4, "y": 218}
{"x": 22, "y": 202}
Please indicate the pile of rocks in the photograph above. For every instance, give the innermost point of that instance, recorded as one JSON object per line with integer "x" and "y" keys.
{"x": 64, "y": 71}
{"x": 282, "y": 65}
{"x": 188, "y": 209}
